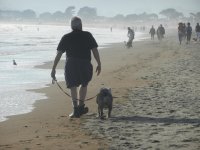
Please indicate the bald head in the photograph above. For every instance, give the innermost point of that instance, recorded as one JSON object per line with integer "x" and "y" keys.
{"x": 76, "y": 23}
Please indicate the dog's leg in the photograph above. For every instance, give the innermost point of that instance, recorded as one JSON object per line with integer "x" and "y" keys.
{"x": 109, "y": 111}
{"x": 101, "y": 112}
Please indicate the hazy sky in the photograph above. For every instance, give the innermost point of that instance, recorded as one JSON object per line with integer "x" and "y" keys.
{"x": 104, "y": 7}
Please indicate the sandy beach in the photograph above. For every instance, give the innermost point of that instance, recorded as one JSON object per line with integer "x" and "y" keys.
{"x": 157, "y": 104}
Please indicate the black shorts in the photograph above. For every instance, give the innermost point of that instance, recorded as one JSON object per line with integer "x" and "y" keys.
{"x": 189, "y": 36}
{"x": 78, "y": 72}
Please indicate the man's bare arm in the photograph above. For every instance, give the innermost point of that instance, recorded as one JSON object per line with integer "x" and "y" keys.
{"x": 97, "y": 58}
{"x": 57, "y": 59}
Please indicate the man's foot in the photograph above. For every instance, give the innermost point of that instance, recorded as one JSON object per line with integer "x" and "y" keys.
{"x": 83, "y": 109}
{"x": 75, "y": 113}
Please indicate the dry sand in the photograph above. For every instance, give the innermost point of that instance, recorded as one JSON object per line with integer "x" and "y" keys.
{"x": 158, "y": 104}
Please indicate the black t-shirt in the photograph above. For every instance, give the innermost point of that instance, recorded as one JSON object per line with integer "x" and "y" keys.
{"x": 152, "y": 31}
{"x": 197, "y": 28}
{"x": 77, "y": 44}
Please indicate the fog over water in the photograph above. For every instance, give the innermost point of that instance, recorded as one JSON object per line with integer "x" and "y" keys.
{"x": 104, "y": 7}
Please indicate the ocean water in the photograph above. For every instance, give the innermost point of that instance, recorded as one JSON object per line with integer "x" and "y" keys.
{"x": 31, "y": 45}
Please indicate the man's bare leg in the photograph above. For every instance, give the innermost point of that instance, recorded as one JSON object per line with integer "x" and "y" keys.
{"x": 82, "y": 95}
{"x": 74, "y": 96}
{"x": 75, "y": 113}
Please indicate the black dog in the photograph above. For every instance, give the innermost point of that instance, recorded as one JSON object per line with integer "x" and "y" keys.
{"x": 195, "y": 39}
{"x": 104, "y": 100}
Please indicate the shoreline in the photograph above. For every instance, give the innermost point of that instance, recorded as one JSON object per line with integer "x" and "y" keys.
{"x": 27, "y": 126}
{"x": 37, "y": 80}
{"x": 48, "y": 126}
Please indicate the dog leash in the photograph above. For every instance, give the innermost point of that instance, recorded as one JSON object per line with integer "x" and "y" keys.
{"x": 55, "y": 81}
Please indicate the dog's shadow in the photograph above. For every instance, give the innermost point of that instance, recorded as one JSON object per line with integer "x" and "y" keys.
{"x": 167, "y": 120}
{"x": 144, "y": 119}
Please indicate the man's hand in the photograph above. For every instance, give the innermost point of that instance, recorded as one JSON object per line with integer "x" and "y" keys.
{"x": 57, "y": 59}
{"x": 53, "y": 74}
{"x": 98, "y": 69}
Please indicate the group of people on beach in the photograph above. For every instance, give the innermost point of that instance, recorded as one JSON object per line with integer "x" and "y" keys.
{"x": 131, "y": 34}
{"x": 160, "y": 32}
{"x": 185, "y": 32}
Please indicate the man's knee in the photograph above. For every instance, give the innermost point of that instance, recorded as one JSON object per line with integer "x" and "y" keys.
{"x": 84, "y": 85}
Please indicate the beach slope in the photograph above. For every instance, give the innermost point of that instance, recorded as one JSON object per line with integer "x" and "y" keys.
{"x": 156, "y": 105}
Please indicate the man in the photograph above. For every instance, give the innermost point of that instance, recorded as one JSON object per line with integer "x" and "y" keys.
{"x": 130, "y": 35}
{"x": 160, "y": 32}
{"x": 197, "y": 29}
{"x": 78, "y": 45}
{"x": 181, "y": 32}
{"x": 188, "y": 32}
{"x": 152, "y": 32}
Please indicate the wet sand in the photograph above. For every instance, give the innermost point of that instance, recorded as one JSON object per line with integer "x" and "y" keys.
{"x": 157, "y": 104}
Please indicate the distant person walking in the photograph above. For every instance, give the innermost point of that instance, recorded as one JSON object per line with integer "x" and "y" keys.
{"x": 160, "y": 32}
{"x": 197, "y": 29}
{"x": 14, "y": 62}
{"x": 78, "y": 45}
{"x": 188, "y": 33}
{"x": 152, "y": 32}
{"x": 181, "y": 32}
{"x": 131, "y": 35}
{"x": 184, "y": 33}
